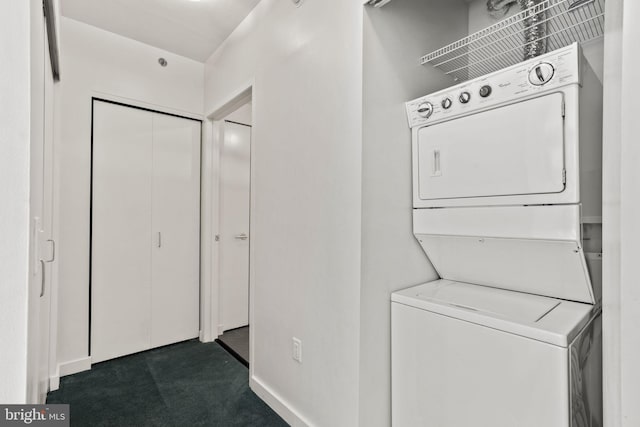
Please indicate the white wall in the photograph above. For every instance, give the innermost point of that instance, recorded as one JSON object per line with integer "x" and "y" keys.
{"x": 102, "y": 64}
{"x": 629, "y": 218}
{"x": 611, "y": 212}
{"x": 14, "y": 193}
{"x": 395, "y": 37}
{"x": 306, "y": 163}
{"x": 621, "y": 271}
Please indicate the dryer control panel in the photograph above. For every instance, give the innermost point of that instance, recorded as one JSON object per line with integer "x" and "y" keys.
{"x": 545, "y": 73}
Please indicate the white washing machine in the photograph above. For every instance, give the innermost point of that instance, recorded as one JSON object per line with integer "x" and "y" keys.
{"x": 507, "y": 206}
{"x": 464, "y": 355}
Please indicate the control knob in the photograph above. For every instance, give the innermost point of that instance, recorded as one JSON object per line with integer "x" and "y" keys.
{"x": 446, "y": 103}
{"x": 485, "y": 91}
{"x": 465, "y": 97}
{"x": 541, "y": 74}
{"x": 425, "y": 110}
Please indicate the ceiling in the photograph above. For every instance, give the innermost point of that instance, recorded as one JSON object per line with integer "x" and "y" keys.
{"x": 194, "y": 29}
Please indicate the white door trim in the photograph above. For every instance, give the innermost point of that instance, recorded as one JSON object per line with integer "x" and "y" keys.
{"x": 212, "y": 141}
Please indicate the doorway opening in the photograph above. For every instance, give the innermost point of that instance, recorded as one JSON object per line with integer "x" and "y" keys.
{"x": 233, "y": 237}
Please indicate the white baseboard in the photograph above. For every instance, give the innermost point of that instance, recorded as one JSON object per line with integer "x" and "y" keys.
{"x": 74, "y": 366}
{"x": 54, "y": 380}
{"x": 277, "y": 403}
{"x": 207, "y": 338}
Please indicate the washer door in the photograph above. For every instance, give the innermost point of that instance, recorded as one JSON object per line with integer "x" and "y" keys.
{"x": 513, "y": 150}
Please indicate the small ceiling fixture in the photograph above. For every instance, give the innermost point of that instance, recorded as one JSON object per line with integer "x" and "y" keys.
{"x": 163, "y": 62}
{"x": 297, "y": 3}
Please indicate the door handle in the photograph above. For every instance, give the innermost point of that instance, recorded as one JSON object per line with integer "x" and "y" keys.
{"x": 42, "y": 280}
{"x": 53, "y": 250}
{"x": 241, "y": 236}
{"x": 436, "y": 164}
{"x": 159, "y": 239}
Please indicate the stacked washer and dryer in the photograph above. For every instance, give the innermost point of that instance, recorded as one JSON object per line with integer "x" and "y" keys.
{"x": 507, "y": 200}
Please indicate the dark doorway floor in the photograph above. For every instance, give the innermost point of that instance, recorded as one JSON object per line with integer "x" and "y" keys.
{"x": 185, "y": 384}
{"x": 236, "y": 341}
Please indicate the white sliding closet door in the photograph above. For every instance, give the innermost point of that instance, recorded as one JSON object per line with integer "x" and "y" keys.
{"x": 121, "y": 231}
{"x": 145, "y": 230}
{"x": 176, "y": 221}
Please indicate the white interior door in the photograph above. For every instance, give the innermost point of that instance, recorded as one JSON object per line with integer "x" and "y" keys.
{"x": 121, "y": 231}
{"x": 235, "y": 179}
{"x": 176, "y": 199}
{"x": 513, "y": 150}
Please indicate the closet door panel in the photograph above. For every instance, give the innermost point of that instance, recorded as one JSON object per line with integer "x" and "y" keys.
{"x": 176, "y": 227}
{"x": 121, "y": 231}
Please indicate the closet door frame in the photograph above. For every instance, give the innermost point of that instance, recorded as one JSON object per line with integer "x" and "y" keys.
{"x": 99, "y": 97}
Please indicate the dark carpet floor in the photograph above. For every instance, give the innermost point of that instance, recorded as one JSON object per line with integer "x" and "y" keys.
{"x": 237, "y": 341}
{"x": 185, "y": 384}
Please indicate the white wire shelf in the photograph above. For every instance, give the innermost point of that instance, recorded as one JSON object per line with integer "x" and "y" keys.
{"x": 503, "y": 44}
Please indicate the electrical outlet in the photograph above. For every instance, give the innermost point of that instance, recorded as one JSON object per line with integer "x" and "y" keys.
{"x": 297, "y": 350}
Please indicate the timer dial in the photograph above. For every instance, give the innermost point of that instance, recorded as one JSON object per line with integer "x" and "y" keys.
{"x": 541, "y": 74}
{"x": 425, "y": 110}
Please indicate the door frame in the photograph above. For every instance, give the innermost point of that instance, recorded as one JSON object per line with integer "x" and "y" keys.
{"x": 125, "y": 102}
{"x": 212, "y": 143}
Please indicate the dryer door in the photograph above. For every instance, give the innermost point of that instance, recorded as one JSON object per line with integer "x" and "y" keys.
{"x": 513, "y": 150}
